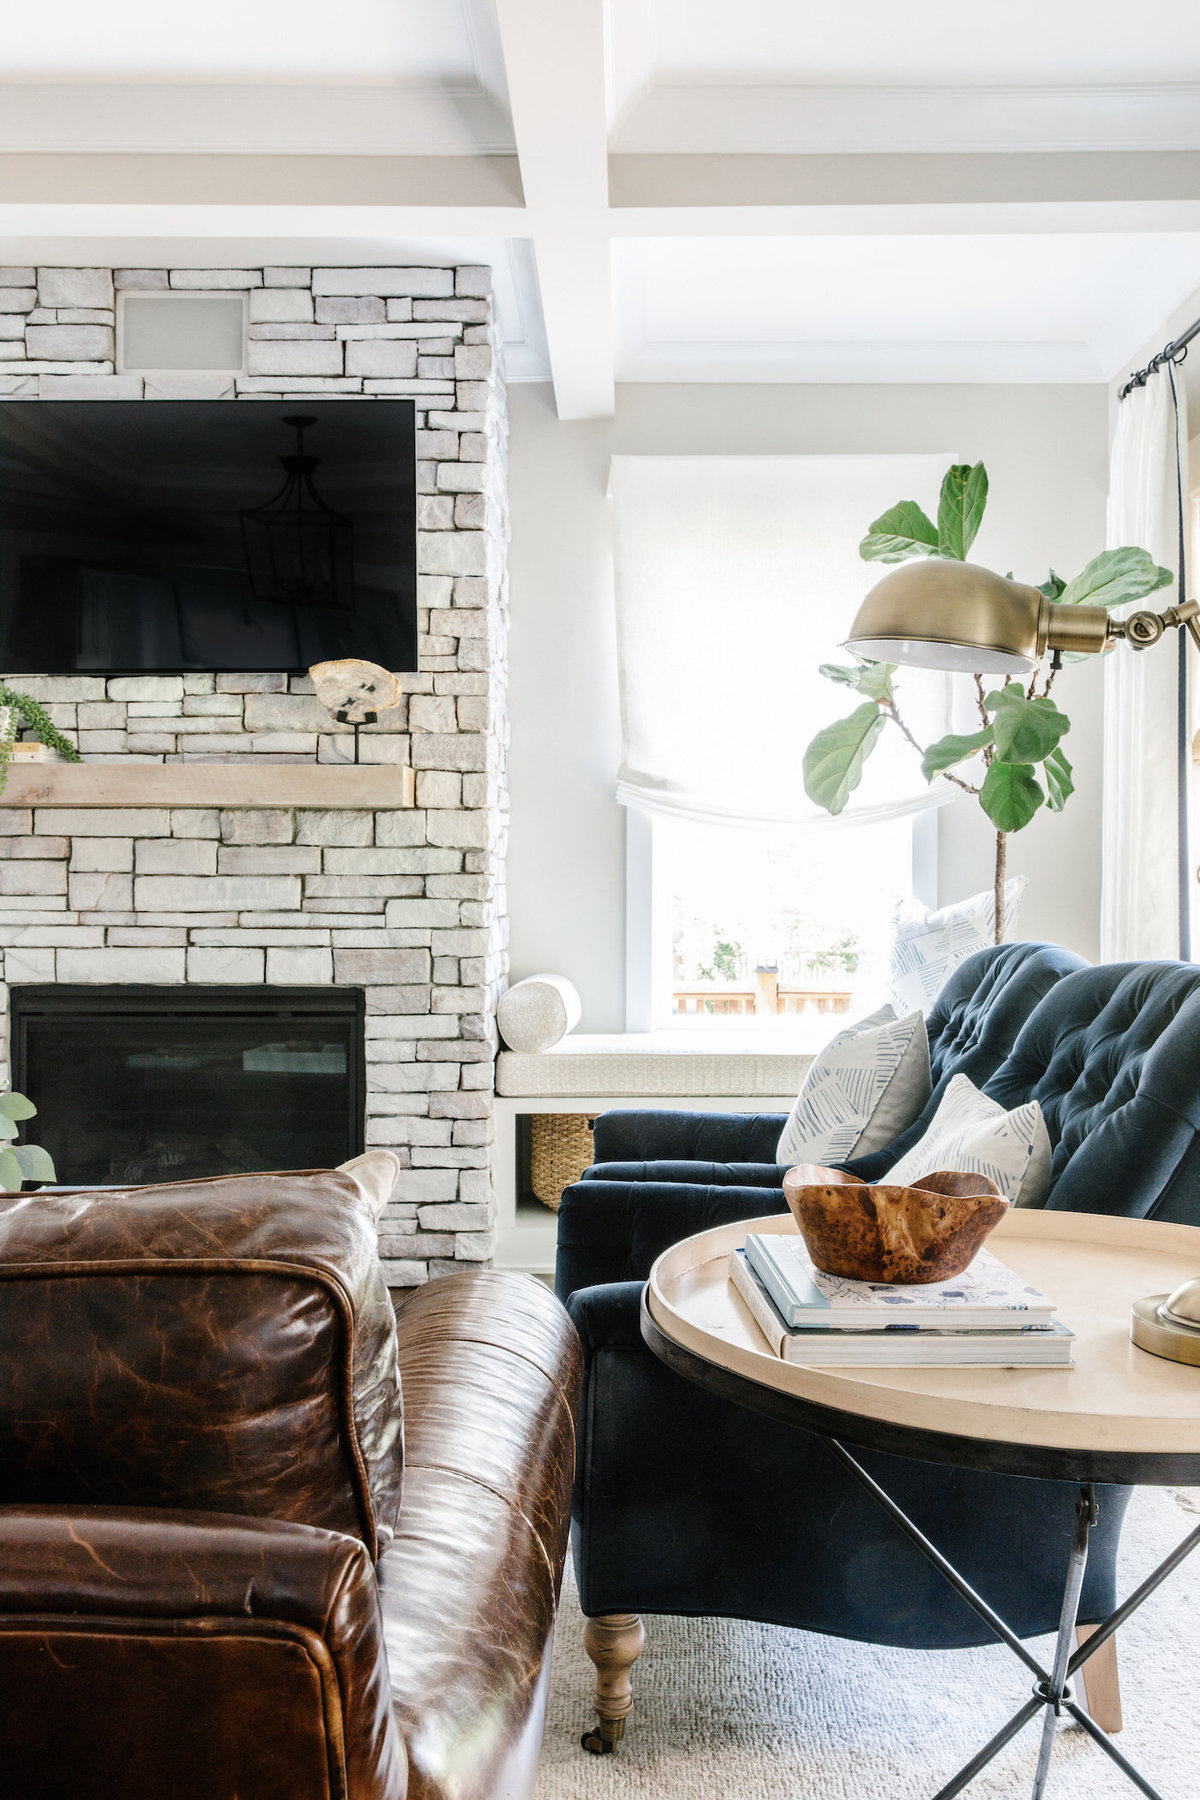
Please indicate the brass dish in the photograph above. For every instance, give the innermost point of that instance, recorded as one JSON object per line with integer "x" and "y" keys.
{"x": 908, "y": 1235}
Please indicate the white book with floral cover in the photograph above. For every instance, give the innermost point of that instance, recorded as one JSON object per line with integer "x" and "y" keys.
{"x": 986, "y": 1296}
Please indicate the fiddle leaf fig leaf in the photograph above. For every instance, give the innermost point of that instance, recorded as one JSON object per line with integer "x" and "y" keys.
{"x": 34, "y": 1163}
{"x": 833, "y": 762}
{"x": 1059, "y": 785}
{"x": 1025, "y": 730}
{"x": 960, "y": 508}
{"x": 10, "y": 1172}
{"x": 1114, "y": 577}
{"x": 950, "y": 750}
{"x": 16, "y": 1106}
{"x": 899, "y": 533}
{"x": 1010, "y": 795}
{"x": 874, "y": 679}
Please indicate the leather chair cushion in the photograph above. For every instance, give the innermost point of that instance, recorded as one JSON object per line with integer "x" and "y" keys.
{"x": 154, "y": 1653}
{"x": 227, "y": 1346}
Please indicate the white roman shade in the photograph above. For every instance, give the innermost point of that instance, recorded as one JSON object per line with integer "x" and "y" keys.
{"x": 736, "y": 577}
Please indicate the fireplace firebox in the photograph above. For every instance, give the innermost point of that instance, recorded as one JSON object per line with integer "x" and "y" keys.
{"x": 141, "y": 1084}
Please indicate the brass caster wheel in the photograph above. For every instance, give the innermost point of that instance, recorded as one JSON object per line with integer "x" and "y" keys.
{"x": 603, "y": 1738}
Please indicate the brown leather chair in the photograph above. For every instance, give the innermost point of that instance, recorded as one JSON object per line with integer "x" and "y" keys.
{"x": 227, "y": 1571}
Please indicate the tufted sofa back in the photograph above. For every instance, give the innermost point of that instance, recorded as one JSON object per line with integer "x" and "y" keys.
{"x": 975, "y": 1020}
{"x": 1112, "y": 1056}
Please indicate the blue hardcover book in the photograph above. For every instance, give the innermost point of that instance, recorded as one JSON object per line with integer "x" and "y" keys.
{"x": 986, "y": 1296}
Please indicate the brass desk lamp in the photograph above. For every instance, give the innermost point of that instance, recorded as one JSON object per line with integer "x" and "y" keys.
{"x": 958, "y": 616}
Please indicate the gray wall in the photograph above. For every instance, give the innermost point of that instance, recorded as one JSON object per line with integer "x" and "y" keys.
{"x": 1046, "y": 449}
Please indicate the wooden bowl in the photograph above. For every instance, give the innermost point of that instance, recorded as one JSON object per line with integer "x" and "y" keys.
{"x": 909, "y": 1235}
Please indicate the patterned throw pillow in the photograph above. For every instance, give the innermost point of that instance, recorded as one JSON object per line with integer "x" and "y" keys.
{"x": 969, "y": 1132}
{"x": 863, "y": 1090}
{"x": 929, "y": 946}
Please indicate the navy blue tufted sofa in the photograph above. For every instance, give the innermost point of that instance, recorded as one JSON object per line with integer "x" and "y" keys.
{"x": 688, "y": 1504}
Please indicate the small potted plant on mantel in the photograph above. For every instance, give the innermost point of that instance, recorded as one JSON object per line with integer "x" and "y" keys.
{"x": 19, "y": 711}
{"x": 1016, "y": 754}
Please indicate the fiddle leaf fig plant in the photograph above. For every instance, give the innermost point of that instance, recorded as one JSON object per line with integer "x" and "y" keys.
{"x": 1016, "y": 755}
{"x": 20, "y": 1162}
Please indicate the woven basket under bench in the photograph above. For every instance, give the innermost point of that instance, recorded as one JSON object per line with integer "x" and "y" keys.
{"x": 560, "y": 1149}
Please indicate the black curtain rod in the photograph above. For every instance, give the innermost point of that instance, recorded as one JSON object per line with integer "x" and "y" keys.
{"x": 1174, "y": 352}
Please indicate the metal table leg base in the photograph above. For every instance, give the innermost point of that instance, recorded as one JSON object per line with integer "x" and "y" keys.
{"x": 1052, "y": 1695}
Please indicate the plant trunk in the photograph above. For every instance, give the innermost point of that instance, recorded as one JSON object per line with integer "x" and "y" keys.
{"x": 1001, "y": 869}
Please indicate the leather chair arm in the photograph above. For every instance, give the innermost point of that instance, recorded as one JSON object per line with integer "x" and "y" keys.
{"x": 265, "y": 1635}
{"x": 612, "y": 1230}
{"x": 492, "y": 1370}
{"x": 651, "y": 1135}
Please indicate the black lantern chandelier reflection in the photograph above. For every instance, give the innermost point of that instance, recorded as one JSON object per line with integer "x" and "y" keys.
{"x": 299, "y": 549}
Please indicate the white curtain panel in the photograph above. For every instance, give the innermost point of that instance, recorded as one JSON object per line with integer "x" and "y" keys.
{"x": 736, "y": 577}
{"x": 1139, "y": 900}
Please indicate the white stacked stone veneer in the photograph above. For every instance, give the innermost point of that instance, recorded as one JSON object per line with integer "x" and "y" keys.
{"x": 408, "y": 905}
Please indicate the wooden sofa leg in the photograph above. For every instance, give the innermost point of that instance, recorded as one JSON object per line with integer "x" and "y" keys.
{"x": 614, "y": 1642}
{"x": 1102, "y": 1681}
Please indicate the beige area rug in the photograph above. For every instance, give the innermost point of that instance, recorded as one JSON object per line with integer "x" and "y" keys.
{"x": 731, "y": 1711}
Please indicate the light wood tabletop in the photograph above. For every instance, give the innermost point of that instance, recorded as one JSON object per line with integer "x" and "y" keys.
{"x": 1119, "y": 1414}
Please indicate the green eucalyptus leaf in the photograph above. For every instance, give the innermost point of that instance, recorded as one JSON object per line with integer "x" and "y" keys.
{"x": 1059, "y": 785}
{"x": 10, "y": 1172}
{"x": 960, "y": 508}
{"x": 8, "y": 1129}
{"x": 833, "y": 762}
{"x": 16, "y": 1106}
{"x": 1052, "y": 587}
{"x": 34, "y": 1163}
{"x": 871, "y": 678}
{"x": 1010, "y": 795}
{"x": 1114, "y": 577}
{"x": 1026, "y": 730}
{"x": 950, "y": 750}
{"x": 902, "y": 531}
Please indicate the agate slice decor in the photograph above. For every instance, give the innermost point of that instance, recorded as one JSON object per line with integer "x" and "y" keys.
{"x": 908, "y": 1235}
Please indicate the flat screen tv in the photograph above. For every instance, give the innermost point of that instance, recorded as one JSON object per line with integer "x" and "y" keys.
{"x": 162, "y": 535}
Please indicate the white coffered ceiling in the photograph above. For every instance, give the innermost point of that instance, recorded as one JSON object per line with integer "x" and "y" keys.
{"x": 670, "y": 190}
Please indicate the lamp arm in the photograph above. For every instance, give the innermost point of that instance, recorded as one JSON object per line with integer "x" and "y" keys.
{"x": 1142, "y": 629}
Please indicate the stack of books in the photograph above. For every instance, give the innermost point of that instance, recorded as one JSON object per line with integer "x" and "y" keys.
{"x": 987, "y": 1317}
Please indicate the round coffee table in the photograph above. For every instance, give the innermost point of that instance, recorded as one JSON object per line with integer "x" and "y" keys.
{"x": 1120, "y": 1415}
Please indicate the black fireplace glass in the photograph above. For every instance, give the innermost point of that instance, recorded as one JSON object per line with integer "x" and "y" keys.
{"x": 145, "y": 1084}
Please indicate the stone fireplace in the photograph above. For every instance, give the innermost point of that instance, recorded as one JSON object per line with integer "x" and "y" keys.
{"x": 269, "y": 883}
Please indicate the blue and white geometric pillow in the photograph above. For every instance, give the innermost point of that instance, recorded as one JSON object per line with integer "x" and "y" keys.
{"x": 929, "y": 946}
{"x": 973, "y": 1134}
{"x": 862, "y": 1091}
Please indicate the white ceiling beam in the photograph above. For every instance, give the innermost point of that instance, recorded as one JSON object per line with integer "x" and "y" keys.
{"x": 930, "y": 179}
{"x": 554, "y": 61}
{"x": 424, "y": 183}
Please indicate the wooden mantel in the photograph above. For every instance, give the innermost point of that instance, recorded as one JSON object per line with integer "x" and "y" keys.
{"x": 251, "y": 783}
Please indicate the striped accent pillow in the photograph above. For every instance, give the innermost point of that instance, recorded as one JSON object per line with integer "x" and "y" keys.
{"x": 973, "y": 1134}
{"x": 862, "y": 1091}
{"x": 929, "y": 946}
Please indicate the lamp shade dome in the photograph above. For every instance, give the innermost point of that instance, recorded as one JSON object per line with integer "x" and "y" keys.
{"x": 951, "y": 615}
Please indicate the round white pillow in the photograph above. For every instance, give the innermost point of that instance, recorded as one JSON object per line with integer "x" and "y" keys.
{"x": 535, "y": 1013}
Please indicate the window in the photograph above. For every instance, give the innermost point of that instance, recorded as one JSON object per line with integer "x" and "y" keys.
{"x": 736, "y": 578}
{"x": 786, "y": 930}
